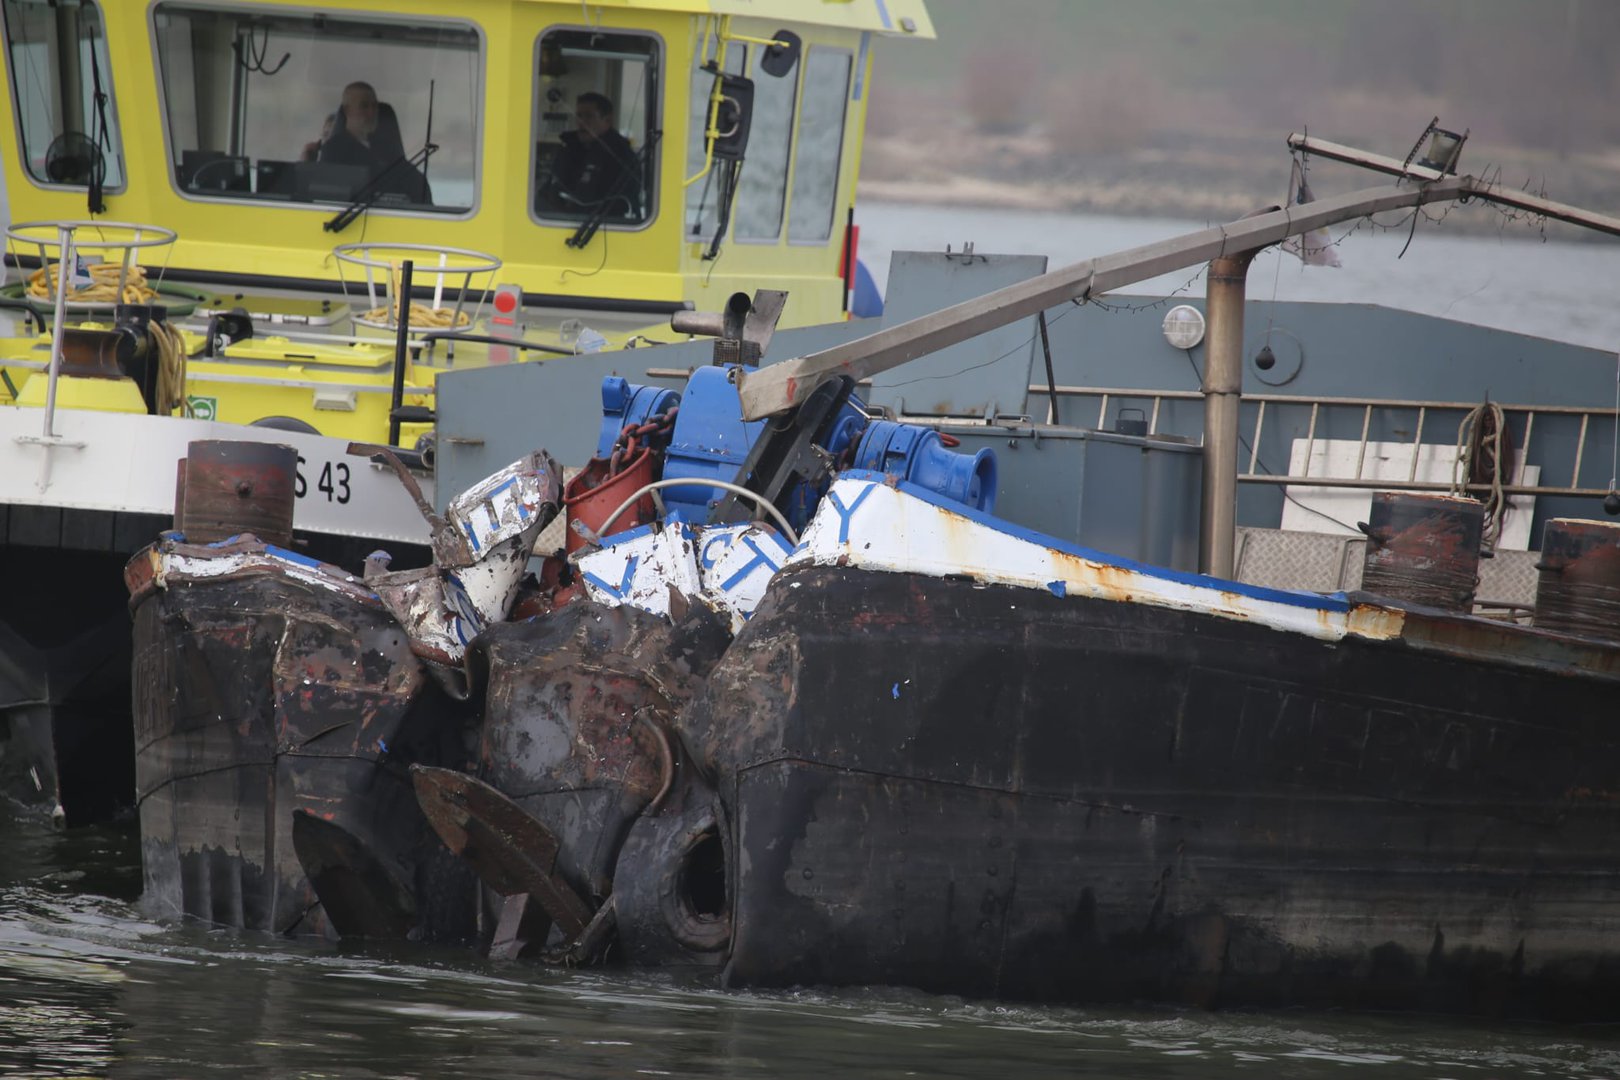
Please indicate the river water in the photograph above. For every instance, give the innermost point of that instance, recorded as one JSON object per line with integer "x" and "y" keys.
{"x": 90, "y": 987}
{"x": 1507, "y": 276}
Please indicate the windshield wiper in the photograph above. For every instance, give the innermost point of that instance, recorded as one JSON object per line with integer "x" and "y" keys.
{"x": 368, "y": 195}
{"x": 634, "y": 170}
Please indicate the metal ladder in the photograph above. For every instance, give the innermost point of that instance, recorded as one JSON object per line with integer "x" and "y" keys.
{"x": 1521, "y": 420}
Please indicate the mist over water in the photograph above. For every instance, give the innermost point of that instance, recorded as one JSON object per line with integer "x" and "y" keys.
{"x": 1558, "y": 289}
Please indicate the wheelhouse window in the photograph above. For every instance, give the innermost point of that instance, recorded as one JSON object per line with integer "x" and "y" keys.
{"x": 317, "y": 108}
{"x": 596, "y": 130}
{"x": 61, "y": 83}
{"x": 762, "y": 186}
{"x": 821, "y": 143}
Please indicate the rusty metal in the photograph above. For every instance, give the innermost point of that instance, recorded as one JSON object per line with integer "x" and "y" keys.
{"x": 262, "y": 687}
{"x": 591, "y": 943}
{"x": 521, "y": 925}
{"x": 511, "y": 851}
{"x": 238, "y": 487}
{"x": 742, "y": 332}
{"x": 1423, "y": 549}
{"x": 386, "y": 456}
{"x": 1236, "y": 799}
{"x": 362, "y": 896}
{"x": 670, "y": 887}
{"x": 95, "y": 354}
{"x": 591, "y": 495}
{"x": 567, "y": 705}
{"x": 1578, "y": 591}
{"x": 481, "y": 547}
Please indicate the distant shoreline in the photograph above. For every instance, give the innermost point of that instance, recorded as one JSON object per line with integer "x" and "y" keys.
{"x": 1217, "y": 179}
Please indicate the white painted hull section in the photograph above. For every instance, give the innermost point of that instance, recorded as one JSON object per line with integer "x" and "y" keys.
{"x": 726, "y": 566}
{"x": 872, "y": 525}
{"x": 127, "y": 462}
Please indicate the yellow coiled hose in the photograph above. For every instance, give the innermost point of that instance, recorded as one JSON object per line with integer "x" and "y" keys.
{"x": 102, "y": 290}
{"x": 420, "y": 314}
{"x": 171, "y": 387}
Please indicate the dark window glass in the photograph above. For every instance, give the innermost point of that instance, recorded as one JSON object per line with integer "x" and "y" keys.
{"x": 596, "y": 127}
{"x": 299, "y": 107}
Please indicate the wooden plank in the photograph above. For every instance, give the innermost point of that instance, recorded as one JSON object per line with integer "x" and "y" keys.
{"x": 781, "y": 386}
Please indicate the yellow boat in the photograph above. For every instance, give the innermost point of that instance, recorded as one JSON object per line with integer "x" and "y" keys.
{"x": 560, "y": 175}
{"x": 613, "y": 162}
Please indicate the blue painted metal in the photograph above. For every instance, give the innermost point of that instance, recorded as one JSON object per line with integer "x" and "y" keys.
{"x": 625, "y": 403}
{"x": 709, "y": 442}
{"x": 984, "y": 376}
{"x": 490, "y": 416}
{"x": 916, "y": 454}
{"x": 868, "y": 301}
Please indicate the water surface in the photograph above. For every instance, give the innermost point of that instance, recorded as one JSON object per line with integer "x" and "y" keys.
{"x": 88, "y": 987}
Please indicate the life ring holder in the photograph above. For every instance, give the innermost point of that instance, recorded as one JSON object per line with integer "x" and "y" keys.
{"x": 452, "y": 269}
{"x": 122, "y": 238}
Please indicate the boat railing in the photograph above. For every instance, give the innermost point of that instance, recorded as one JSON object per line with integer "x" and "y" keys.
{"x": 117, "y": 278}
{"x": 452, "y": 269}
{"x": 69, "y": 240}
{"x": 1368, "y": 422}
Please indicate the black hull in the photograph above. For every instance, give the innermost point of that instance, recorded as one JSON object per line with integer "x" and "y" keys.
{"x": 64, "y": 663}
{"x": 575, "y": 721}
{"x": 65, "y": 653}
{"x": 261, "y": 698}
{"x": 1000, "y": 792}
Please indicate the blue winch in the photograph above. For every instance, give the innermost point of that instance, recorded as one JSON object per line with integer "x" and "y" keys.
{"x": 918, "y": 454}
{"x": 711, "y": 441}
{"x": 627, "y": 404}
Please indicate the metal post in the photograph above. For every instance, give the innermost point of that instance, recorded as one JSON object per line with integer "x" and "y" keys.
{"x": 401, "y": 349}
{"x": 64, "y": 270}
{"x": 1223, "y": 387}
{"x": 1051, "y": 380}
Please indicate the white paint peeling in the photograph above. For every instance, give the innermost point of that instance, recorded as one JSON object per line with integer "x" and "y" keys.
{"x": 727, "y": 567}
{"x": 173, "y": 567}
{"x": 871, "y": 525}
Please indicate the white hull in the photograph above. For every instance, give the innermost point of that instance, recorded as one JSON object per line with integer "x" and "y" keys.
{"x": 126, "y": 462}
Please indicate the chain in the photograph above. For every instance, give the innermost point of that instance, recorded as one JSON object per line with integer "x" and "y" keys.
{"x": 634, "y": 435}
{"x": 1133, "y": 309}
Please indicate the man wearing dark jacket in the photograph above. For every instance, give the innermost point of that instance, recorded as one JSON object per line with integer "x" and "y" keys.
{"x": 362, "y": 139}
{"x": 597, "y": 164}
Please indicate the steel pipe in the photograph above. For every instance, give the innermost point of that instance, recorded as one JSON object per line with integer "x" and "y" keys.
{"x": 1222, "y": 388}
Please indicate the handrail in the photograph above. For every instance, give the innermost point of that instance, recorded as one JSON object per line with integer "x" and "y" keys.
{"x": 64, "y": 236}
{"x": 1267, "y": 404}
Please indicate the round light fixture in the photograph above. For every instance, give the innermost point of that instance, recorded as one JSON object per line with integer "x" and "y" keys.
{"x": 1184, "y": 326}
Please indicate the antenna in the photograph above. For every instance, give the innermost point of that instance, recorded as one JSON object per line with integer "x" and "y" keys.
{"x": 427, "y": 139}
